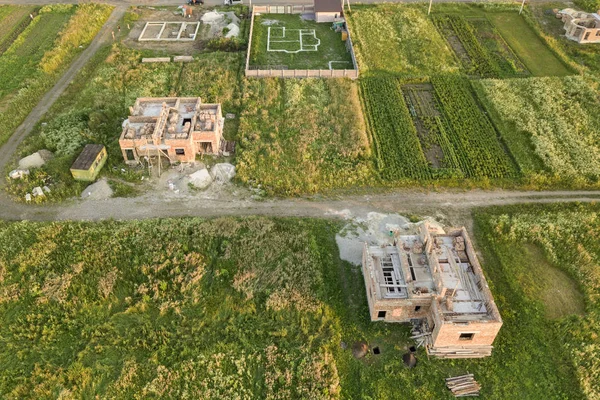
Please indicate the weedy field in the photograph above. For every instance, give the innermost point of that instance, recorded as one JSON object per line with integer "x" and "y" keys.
{"x": 556, "y": 117}
{"x": 400, "y": 40}
{"x": 264, "y": 308}
{"x": 302, "y": 136}
{"x": 41, "y": 52}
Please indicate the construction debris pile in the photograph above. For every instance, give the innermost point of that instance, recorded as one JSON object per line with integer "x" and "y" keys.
{"x": 463, "y": 386}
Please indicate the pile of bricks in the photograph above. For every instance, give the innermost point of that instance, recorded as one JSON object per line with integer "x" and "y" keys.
{"x": 463, "y": 386}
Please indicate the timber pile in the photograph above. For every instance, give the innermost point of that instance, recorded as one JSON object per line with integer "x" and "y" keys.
{"x": 463, "y": 386}
{"x": 460, "y": 351}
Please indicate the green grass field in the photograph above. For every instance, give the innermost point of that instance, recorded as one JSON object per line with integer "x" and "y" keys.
{"x": 536, "y": 56}
{"x": 302, "y": 136}
{"x": 21, "y": 61}
{"x": 194, "y": 308}
{"x": 544, "y": 263}
{"x": 328, "y": 44}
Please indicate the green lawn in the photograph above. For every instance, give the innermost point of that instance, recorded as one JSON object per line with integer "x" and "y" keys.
{"x": 329, "y": 44}
{"x": 534, "y": 53}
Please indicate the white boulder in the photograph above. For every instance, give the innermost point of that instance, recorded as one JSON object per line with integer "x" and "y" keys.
{"x": 34, "y": 160}
{"x": 233, "y": 30}
{"x": 100, "y": 190}
{"x": 222, "y": 172}
{"x": 201, "y": 179}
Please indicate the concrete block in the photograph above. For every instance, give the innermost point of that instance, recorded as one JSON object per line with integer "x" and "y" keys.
{"x": 183, "y": 59}
{"x": 156, "y": 59}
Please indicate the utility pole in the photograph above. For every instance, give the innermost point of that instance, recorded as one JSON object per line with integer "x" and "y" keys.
{"x": 522, "y": 5}
{"x": 429, "y": 10}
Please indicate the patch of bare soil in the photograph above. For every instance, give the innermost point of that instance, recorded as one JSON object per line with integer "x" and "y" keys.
{"x": 148, "y": 14}
{"x": 421, "y": 103}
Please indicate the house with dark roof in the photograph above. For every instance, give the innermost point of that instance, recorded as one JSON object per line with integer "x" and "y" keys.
{"x": 328, "y": 10}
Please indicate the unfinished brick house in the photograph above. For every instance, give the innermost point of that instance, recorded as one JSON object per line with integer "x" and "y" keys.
{"x": 434, "y": 278}
{"x": 580, "y": 26}
{"x": 174, "y": 128}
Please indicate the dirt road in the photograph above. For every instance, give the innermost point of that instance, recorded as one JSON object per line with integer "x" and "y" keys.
{"x": 454, "y": 206}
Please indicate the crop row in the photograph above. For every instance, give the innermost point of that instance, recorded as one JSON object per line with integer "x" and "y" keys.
{"x": 397, "y": 148}
{"x": 480, "y": 61}
{"x": 474, "y": 138}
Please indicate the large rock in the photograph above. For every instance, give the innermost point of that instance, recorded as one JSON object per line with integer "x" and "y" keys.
{"x": 201, "y": 179}
{"x": 223, "y": 172}
{"x": 34, "y": 160}
{"x": 97, "y": 191}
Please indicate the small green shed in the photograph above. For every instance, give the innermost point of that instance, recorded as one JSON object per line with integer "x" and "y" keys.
{"x": 89, "y": 163}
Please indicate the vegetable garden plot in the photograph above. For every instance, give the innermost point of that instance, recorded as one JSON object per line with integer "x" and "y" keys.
{"x": 421, "y": 102}
{"x": 473, "y": 137}
{"x": 429, "y": 131}
{"x": 395, "y": 140}
{"x": 479, "y": 47}
{"x": 13, "y": 20}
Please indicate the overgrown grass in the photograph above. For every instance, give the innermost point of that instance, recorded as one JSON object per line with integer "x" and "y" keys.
{"x": 557, "y": 117}
{"x": 398, "y": 39}
{"x": 330, "y": 48}
{"x": 302, "y": 136}
{"x": 567, "y": 236}
{"x": 204, "y": 309}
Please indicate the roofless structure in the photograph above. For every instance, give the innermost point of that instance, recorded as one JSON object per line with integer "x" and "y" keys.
{"x": 434, "y": 277}
{"x": 174, "y": 128}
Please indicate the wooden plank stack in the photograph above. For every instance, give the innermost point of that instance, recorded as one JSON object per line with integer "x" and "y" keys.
{"x": 463, "y": 386}
{"x": 460, "y": 351}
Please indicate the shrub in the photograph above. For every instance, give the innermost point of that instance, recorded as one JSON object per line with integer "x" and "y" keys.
{"x": 66, "y": 133}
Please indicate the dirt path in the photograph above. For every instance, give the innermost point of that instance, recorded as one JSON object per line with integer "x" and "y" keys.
{"x": 52, "y": 95}
{"x": 452, "y": 206}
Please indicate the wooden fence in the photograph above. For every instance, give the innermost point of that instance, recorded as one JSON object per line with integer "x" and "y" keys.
{"x": 257, "y": 72}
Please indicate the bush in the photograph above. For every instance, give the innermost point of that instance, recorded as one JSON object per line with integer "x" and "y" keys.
{"x": 67, "y": 132}
{"x": 588, "y": 5}
{"x": 225, "y": 44}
